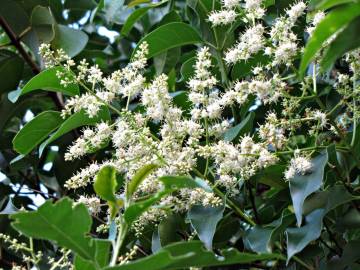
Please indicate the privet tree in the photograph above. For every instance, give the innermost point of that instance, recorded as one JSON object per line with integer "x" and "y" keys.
{"x": 194, "y": 134}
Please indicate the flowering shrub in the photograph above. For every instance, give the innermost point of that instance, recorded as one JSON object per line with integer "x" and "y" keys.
{"x": 228, "y": 138}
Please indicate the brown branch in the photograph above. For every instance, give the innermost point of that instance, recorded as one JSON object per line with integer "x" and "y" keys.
{"x": 15, "y": 40}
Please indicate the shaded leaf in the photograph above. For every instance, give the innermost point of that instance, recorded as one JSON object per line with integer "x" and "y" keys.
{"x": 11, "y": 68}
{"x": 43, "y": 23}
{"x": 204, "y": 220}
{"x": 159, "y": 41}
{"x": 46, "y": 80}
{"x": 71, "y": 40}
{"x": 301, "y": 186}
{"x": 244, "y": 127}
{"x": 299, "y": 238}
{"x": 36, "y": 131}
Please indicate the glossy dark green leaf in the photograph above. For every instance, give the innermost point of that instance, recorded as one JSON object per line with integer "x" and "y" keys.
{"x": 328, "y": 199}
{"x": 71, "y": 40}
{"x": 36, "y": 131}
{"x": 168, "y": 230}
{"x": 181, "y": 34}
{"x": 244, "y": 127}
{"x": 315, "y": 208}
{"x": 301, "y": 186}
{"x": 46, "y": 80}
{"x": 347, "y": 40}
{"x": 299, "y": 238}
{"x": 272, "y": 176}
{"x": 334, "y": 21}
{"x": 204, "y": 220}
{"x": 74, "y": 121}
{"x": 350, "y": 255}
{"x": 187, "y": 69}
{"x": 191, "y": 254}
{"x": 137, "y": 179}
{"x": 11, "y": 68}
{"x": 261, "y": 238}
{"x": 62, "y": 222}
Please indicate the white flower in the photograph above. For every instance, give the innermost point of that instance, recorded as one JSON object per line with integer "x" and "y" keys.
{"x": 156, "y": 98}
{"x": 222, "y": 17}
{"x": 254, "y": 9}
{"x": 296, "y": 11}
{"x": 92, "y": 203}
{"x": 285, "y": 52}
{"x": 299, "y": 165}
{"x": 229, "y": 4}
{"x": 251, "y": 42}
{"x": 321, "y": 117}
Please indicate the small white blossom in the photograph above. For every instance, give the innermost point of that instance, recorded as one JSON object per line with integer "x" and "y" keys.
{"x": 222, "y": 17}
{"x": 299, "y": 165}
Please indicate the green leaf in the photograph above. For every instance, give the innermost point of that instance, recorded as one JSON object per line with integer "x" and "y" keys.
{"x": 178, "y": 182}
{"x": 11, "y": 68}
{"x": 168, "y": 230}
{"x": 244, "y": 68}
{"x": 36, "y": 131}
{"x": 159, "y": 41}
{"x": 46, "y": 80}
{"x": 62, "y": 222}
{"x": 261, "y": 238}
{"x": 102, "y": 251}
{"x": 333, "y": 22}
{"x": 183, "y": 255}
{"x": 71, "y": 40}
{"x": 204, "y": 220}
{"x": 299, "y": 238}
{"x": 347, "y": 40}
{"x": 323, "y": 202}
{"x": 244, "y": 127}
{"x": 105, "y": 183}
{"x": 187, "y": 69}
{"x": 74, "y": 121}
{"x": 272, "y": 176}
{"x": 301, "y": 186}
{"x": 43, "y": 23}
{"x": 135, "y": 16}
{"x": 349, "y": 256}
{"x": 328, "y": 199}
{"x": 326, "y": 4}
{"x": 137, "y": 179}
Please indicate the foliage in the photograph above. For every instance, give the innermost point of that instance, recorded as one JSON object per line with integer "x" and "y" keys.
{"x": 197, "y": 134}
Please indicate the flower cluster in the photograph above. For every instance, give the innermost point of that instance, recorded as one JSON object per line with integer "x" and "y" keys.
{"x": 177, "y": 141}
